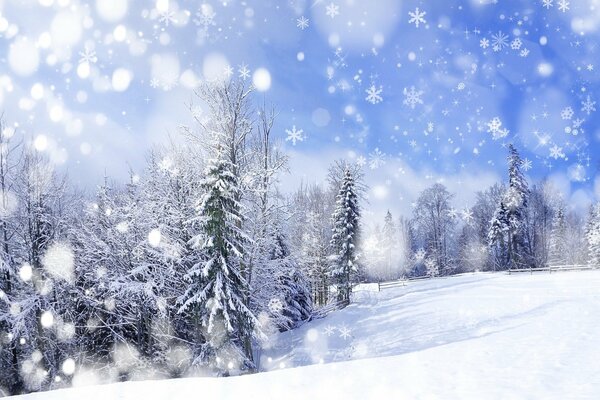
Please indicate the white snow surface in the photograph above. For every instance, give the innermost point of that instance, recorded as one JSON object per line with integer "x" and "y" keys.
{"x": 476, "y": 336}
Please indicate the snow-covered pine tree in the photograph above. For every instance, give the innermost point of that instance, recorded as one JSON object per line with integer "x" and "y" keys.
{"x": 498, "y": 237}
{"x": 389, "y": 246}
{"x": 313, "y": 257}
{"x": 516, "y": 201}
{"x": 344, "y": 241}
{"x": 558, "y": 238}
{"x": 218, "y": 291}
{"x": 592, "y": 236}
{"x": 296, "y": 299}
{"x": 507, "y": 229}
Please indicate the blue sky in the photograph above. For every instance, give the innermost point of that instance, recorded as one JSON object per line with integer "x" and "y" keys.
{"x": 95, "y": 83}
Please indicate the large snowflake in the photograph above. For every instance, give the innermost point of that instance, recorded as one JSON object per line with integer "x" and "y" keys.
{"x": 374, "y": 94}
{"x": 495, "y": 128}
{"x": 376, "y": 159}
{"x": 294, "y": 135}
{"x": 499, "y": 41}
{"x": 332, "y": 10}
{"x": 417, "y": 17}
{"x": 588, "y": 106}
{"x": 412, "y": 97}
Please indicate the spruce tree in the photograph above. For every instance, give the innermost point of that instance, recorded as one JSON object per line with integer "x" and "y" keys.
{"x": 507, "y": 230}
{"x": 516, "y": 200}
{"x": 389, "y": 244}
{"x": 558, "y": 238}
{"x": 346, "y": 225}
{"x": 218, "y": 290}
{"x": 592, "y": 236}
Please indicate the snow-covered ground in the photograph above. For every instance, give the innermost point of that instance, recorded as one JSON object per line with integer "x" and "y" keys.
{"x": 480, "y": 336}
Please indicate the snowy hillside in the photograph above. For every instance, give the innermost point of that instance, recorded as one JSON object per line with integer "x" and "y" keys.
{"x": 471, "y": 336}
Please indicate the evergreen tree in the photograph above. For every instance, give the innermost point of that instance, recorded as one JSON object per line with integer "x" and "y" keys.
{"x": 558, "y": 238}
{"x": 346, "y": 221}
{"x": 389, "y": 245}
{"x": 218, "y": 290}
{"x": 507, "y": 230}
{"x": 592, "y": 236}
{"x": 516, "y": 201}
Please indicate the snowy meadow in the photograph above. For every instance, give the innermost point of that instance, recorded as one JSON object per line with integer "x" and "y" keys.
{"x": 292, "y": 199}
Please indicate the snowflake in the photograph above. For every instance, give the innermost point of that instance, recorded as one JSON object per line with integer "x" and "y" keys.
{"x": 577, "y": 123}
{"x": 495, "y": 128}
{"x": 167, "y": 17}
{"x": 566, "y": 113}
{"x": 412, "y": 97}
{"x": 332, "y": 10}
{"x": 244, "y": 72}
{"x": 275, "y": 305}
{"x": 524, "y": 52}
{"x": 467, "y": 216}
{"x": 516, "y": 44}
{"x": 556, "y": 152}
{"x": 588, "y": 106}
{"x": 417, "y": 17}
{"x": 295, "y": 135}
{"x": 345, "y": 332}
{"x": 499, "y": 41}
{"x": 376, "y": 159}
{"x": 329, "y": 329}
{"x": 484, "y": 43}
{"x": 361, "y": 161}
{"x": 374, "y": 94}
{"x": 452, "y": 213}
{"x": 563, "y": 5}
{"x": 88, "y": 55}
{"x": 527, "y": 164}
{"x": 302, "y": 22}
{"x": 205, "y": 16}
{"x": 547, "y": 3}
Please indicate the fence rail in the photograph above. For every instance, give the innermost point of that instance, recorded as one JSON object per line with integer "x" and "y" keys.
{"x": 554, "y": 268}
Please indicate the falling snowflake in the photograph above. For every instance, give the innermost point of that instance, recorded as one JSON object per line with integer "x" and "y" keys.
{"x": 484, "y": 43}
{"x": 205, "y": 16}
{"x": 452, "y": 213}
{"x": 524, "y": 52}
{"x": 556, "y": 152}
{"x": 527, "y": 164}
{"x": 345, "y": 332}
{"x": 88, "y": 55}
{"x": 244, "y": 72}
{"x": 332, "y": 10}
{"x": 467, "y": 216}
{"x": 374, "y": 94}
{"x": 547, "y": 4}
{"x": 563, "y": 5}
{"x": 167, "y": 17}
{"x": 499, "y": 41}
{"x": 361, "y": 161}
{"x": 516, "y": 44}
{"x": 588, "y": 106}
{"x": 566, "y": 113}
{"x": 329, "y": 329}
{"x": 417, "y": 17}
{"x": 495, "y": 128}
{"x": 376, "y": 159}
{"x": 295, "y": 135}
{"x": 302, "y": 22}
{"x": 412, "y": 97}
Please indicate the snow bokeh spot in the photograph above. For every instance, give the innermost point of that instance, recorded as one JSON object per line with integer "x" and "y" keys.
{"x": 58, "y": 261}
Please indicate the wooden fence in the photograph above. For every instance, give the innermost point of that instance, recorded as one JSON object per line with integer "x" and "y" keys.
{"x": 553, "y": 268}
